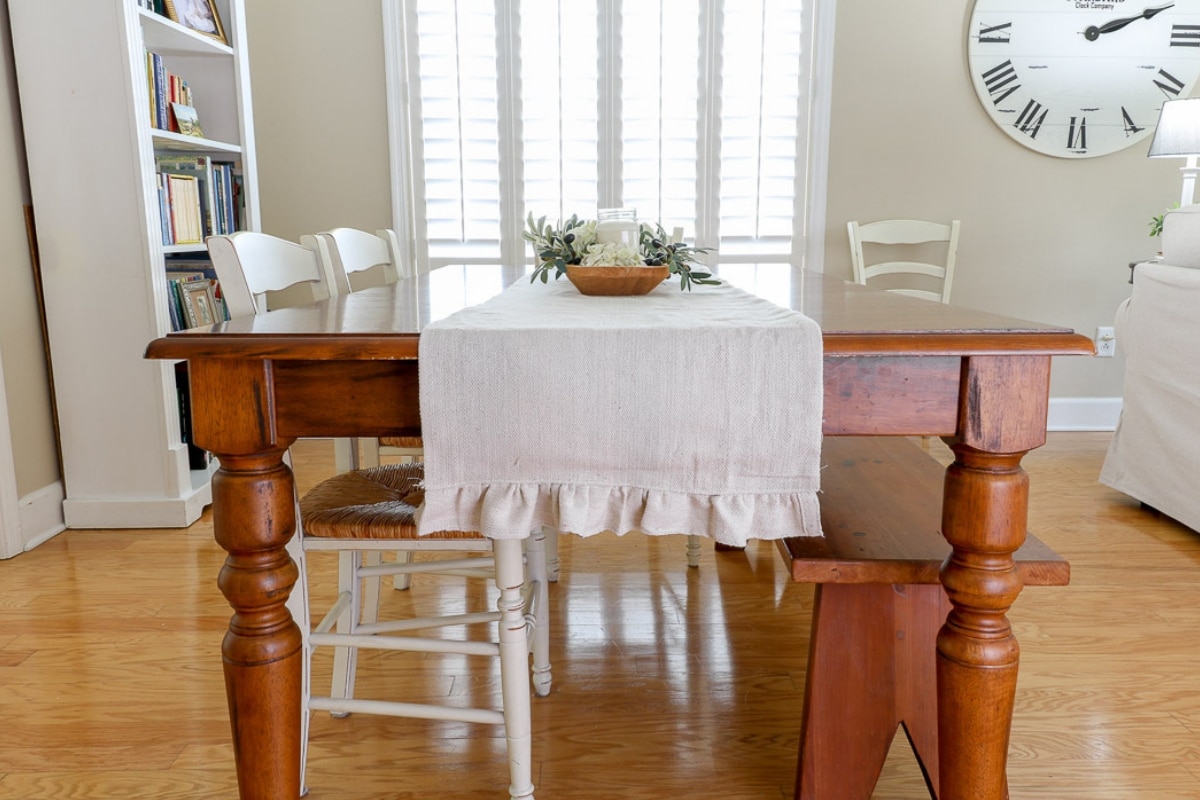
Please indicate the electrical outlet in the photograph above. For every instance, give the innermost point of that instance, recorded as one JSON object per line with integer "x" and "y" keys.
{"x": 1106, "y": 342}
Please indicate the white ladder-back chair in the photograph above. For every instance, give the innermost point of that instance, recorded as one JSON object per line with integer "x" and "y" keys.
{"x": 372, "y": 510}
{"x": 908, "y": 232}
{"x": 404, "y": 265}
{"x": 250, "y": 265}
{"x": 347, "y": 251}
{"x": 344, "y": 253}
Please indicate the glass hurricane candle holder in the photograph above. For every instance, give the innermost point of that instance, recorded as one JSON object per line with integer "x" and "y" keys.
{"x": 618, "y": 226}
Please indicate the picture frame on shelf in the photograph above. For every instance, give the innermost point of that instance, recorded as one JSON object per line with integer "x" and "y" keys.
{"x": 200, "y": 304}
{"x": 187, "y": 121}
{"x": 198, "y": 15}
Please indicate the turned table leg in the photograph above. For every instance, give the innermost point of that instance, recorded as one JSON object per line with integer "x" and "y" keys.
{"x": 977, "y": 653}
{"x": 254, "y": 517}
{"x": 1002, "y": 415}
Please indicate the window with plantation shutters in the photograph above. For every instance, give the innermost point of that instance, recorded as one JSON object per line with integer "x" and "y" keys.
{"x": 695, "y": 112}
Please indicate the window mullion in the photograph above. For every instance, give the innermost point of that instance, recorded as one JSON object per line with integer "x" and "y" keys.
{"x": 404, "y": 117}
{"x": 760, "y": 133}
{"x": 511, "y": 149}
{"x": 608, "y": 29}
{"x": 812, "y": 145}
{"x": 708, "y": 181}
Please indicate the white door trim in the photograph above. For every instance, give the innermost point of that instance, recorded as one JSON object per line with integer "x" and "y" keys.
{"x": 824, "y": 14}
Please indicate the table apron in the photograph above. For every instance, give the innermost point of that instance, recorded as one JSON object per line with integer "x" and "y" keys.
{"x": 892, "y": 395}
{"x": 864, "y": 395}
{"x": 346, "y": 398}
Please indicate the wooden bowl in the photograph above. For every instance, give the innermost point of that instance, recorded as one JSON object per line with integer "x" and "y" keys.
{"x": 616, "y": 281}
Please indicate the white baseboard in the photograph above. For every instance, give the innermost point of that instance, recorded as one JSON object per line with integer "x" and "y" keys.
{"x": 41, "y": 515}
{"x": 173, "y": 512}
{"x": 1083, "y": 413}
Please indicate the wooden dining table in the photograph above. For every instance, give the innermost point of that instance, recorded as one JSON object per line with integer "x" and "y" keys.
{"x": 893, "y": 365}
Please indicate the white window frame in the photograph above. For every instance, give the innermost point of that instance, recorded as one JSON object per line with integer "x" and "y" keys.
{"x": 406, "y": 158}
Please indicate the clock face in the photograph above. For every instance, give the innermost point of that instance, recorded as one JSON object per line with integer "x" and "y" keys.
{"x": 1082, "y": 78}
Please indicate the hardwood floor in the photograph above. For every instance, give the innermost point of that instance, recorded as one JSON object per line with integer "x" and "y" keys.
{"x": 666, "y": 681}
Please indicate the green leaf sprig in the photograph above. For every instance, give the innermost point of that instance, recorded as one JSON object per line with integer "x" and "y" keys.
{"x": 677, "y": 256}
{"x": 1156, "y": 222}
{"x": 555, "y": 247}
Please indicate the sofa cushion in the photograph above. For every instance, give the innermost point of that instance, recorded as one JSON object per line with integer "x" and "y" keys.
{"x": 1181, "y": 237}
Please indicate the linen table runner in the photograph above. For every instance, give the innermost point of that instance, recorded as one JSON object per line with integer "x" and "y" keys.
{"x": 674, "y": 412}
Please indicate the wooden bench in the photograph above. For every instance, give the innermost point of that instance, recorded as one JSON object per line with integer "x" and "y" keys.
{"x": 878, "y": 608}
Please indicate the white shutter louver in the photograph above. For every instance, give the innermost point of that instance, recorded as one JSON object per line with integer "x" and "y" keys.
{"x": 760, "y": 89}
{"x": 559, "y": 79}
{"x": 660, "y": 88}
{"x": 691, "y": 111}
{"x": 459, "y": 127}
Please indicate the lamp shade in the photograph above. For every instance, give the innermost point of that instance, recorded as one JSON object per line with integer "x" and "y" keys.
{"x": 1178, "y": 131}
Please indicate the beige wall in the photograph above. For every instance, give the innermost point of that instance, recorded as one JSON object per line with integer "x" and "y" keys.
{"x": 320, "y": 115}
{"x": 1043, "y": 238}
{"x": 25, "y": 382}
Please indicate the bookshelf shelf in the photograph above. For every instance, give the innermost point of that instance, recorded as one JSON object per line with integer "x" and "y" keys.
{"x": 171, "y": 249}
{"x": 178, "y": 142}
{"x": 100, "y": 236}
{"x": 164, "y": 36}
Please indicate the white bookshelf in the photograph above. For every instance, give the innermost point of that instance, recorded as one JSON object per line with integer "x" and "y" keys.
{"x": 90, "y": 146}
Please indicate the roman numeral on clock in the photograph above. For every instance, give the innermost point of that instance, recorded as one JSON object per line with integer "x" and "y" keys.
{"x": 1076, "y": 133}
{"x": 1182, "y": 36}
{"x": 1170, "y": 85}
{"x": 1002, "y": 33}
{"x": 1001, "y": 81}
{"x": 1031, "y": 119}
{"x": 1130, "y": 127}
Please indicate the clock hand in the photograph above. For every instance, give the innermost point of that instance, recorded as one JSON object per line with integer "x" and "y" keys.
{"x": 1092, "y": 33}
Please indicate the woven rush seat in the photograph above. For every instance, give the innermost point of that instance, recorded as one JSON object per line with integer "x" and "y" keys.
{"x": 373, "y": 503}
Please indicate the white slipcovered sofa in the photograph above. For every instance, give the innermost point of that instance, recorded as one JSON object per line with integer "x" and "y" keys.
{"x": 1154, "y": 456}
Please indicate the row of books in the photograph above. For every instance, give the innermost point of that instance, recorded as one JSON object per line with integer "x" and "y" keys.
{"x": 193, "y": 299}
{"x": 167, "y": 91}
{"x": 198, "y": 457}
{"x": 197, "y": 197}
{"x": 157, "y": 6}
{"x": 193, "y": 294}
{"x": 179, "y": 209}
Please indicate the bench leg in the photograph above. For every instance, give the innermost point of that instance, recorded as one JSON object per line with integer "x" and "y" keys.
{"x": 871, "y": 668}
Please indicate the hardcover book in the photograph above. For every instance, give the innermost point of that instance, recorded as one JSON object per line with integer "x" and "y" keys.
{"x": 187, "y": 121}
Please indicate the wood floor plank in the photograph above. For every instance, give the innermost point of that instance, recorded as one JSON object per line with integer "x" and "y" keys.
{"x": 667, "y": 681}
{"x": 114, "y": 783}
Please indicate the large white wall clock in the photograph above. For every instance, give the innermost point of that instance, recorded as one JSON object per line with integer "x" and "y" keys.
{"x": 1081, "y": 78}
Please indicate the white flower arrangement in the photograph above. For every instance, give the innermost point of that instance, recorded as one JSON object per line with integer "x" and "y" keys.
{"x": 614, "y": 254}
